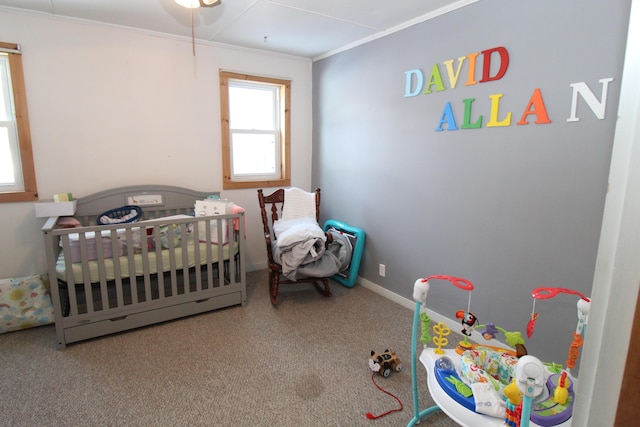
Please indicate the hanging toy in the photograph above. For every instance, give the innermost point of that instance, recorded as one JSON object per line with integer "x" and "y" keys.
{"x": 546, "y": 293}
{"x": 584, "y": 304}
{"x": 425, "y": 336}
{"x": 468, "y": 321}
{"x": 489, "y": 332}
{"x": 583, "y": 315}
{"x": 532, "y": 322}
{"x": 561, "y": 393}
{"x": 441, "y": 339}
{"x": 574, "y": 350}
{"x": 421, "y": 290}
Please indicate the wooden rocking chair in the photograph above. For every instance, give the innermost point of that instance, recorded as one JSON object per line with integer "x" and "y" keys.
{"x": 275, "y": 201}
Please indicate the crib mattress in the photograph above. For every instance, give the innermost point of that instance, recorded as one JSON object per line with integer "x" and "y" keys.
{"x": 92, "y": 268}
{"x": 92, "y": 250}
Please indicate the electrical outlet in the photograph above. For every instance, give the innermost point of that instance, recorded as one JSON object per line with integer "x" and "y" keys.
{"x": 382, "y": 270}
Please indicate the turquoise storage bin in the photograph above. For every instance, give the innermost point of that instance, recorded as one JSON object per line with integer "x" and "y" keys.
{"x": 356, "y": 236}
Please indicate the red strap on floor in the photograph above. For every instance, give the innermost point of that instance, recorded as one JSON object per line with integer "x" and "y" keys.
{"x": 374, "y": 417}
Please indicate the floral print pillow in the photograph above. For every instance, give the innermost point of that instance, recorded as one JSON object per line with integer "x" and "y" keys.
{"x": 24, "y": 303}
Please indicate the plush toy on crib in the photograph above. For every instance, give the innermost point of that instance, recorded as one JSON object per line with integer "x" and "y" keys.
{"x": 384, "y": 363}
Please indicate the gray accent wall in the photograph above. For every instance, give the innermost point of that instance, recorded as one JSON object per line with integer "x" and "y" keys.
{"x": 510, "y": 208}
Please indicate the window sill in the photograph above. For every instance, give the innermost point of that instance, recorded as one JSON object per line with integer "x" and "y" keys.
{"x": 235, "y": 185}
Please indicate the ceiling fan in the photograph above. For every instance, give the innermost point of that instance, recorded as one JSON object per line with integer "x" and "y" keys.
{"x": 198, "y": 3}
{"x": 192, "y": 4}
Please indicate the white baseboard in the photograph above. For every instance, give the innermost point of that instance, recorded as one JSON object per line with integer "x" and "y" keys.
{"x": 256, "y": 267}
{"x": 452, "y": 324}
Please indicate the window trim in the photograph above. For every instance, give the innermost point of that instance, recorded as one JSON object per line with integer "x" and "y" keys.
{"x": 30, "y": 192}
{"x": 285, "y": 132}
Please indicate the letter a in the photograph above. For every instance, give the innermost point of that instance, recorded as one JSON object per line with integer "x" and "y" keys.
{"x": 435, "y": 79}
{"x": 535, "y": 106}
{"x": 447, "y": 117}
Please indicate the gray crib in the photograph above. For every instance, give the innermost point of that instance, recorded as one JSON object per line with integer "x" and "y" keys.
{"x": 112, "y": 278}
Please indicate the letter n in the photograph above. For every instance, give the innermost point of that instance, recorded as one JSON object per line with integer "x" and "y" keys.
{"x": 598, "y": 107}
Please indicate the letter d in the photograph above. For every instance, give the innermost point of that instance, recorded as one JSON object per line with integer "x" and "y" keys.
{"x": 419, "y": 82}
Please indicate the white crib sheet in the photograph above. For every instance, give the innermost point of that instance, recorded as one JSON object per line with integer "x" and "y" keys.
{"x": 109, "y": 268}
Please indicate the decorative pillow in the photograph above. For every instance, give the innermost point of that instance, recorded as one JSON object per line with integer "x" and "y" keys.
{"x": 298, "y": 203}
{"x": 213, "y": 236}
{"x": 297, "y": 230}
{"x": 164, "y": 232}
{"x": 25, "y": 302}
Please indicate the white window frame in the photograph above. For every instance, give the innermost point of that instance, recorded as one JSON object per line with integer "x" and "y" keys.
{"x": 274, "y": 132}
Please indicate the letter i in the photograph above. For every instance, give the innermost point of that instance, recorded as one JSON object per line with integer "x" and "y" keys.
{"x": 472, "y": 69}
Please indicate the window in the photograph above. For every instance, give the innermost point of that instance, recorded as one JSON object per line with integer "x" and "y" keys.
{"x": 17, "y": 174}
{"x": 255, "y": 131}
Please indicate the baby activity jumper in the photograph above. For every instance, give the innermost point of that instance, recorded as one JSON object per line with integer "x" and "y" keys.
{"x": 480, "y": 385}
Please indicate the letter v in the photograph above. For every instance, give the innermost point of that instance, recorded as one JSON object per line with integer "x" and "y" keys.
{"x": 453, "y": 77}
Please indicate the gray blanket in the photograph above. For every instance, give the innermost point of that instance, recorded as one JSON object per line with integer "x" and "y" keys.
{"x": 310, "y": 258}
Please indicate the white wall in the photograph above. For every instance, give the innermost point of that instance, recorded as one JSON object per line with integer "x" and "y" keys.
{"x": 617, "y": 275}
{"x": 509, "y": 208}
{"x": 111, "y": 106}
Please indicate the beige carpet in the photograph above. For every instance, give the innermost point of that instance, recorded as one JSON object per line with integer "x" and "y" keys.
{"x": 302, "y": 363}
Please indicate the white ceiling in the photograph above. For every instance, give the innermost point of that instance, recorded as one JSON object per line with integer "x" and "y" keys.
{"x": 307, "y": 28}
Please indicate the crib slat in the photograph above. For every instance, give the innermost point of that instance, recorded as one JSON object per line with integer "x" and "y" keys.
{"x": 240, "y": 263}
{"x": 103, "y": 291}
{"x": 185, "y": 258}
{"x": 130, "y": 246}
{"x": 195, "y": 241}
{"x": 220, "y": 248}
{"x": 172, "y": 263}
{"x": 88, "y": 291}
{"x": 71, "y": 284}
{"x": 209, "y": 255}
{"x": 180, "y": 230}
{"x": 159, "y": 262}
{"x": 144, "y": 246}
{"x": 116, "y": 268}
